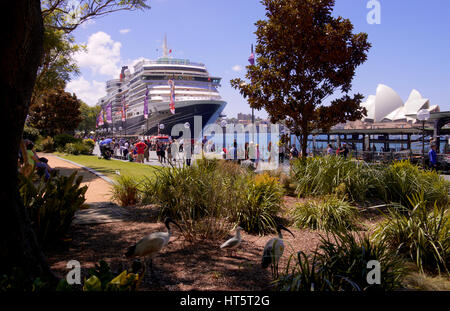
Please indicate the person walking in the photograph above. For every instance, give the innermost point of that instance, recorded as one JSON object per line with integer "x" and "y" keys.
{"x": 163, "y": 153}
{"x": 344, "y": 152}
{"x": 158, "y": 151}
{"x": 294, "y": 152}
{"x": 432, "y": 155}
{"x": 329, "y": 150}
{"x": 281, "y": 152}
{"x": 169, "y": 153}
{"x": 140, "y": 150}
{"x": 147, "y": 151}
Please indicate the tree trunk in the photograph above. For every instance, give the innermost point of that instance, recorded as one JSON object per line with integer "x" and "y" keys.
{"x": 20, "y": 55}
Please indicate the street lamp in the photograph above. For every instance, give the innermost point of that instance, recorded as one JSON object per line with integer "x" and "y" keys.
{"x": 160, "y": 127}
{"x": 223, "y": 124}
{"x": 143, "y": 129}
{"x": 423, "y": 115}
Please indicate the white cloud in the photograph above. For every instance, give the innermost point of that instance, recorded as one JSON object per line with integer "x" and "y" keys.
{"x": 124, "y": 31}
{"x": 89, "y": 92}
{"x": 237, "y": 68}
{"x": 102, "y": 55}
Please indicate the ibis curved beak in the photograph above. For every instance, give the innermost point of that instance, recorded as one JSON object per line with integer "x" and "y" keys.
{"x": 170, "y": 220}
{"x": 286, "y": 229}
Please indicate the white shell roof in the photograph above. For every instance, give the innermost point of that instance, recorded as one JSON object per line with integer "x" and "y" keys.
{"x": 387, "y": 105}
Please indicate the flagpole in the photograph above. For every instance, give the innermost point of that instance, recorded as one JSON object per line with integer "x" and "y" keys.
{"x": 252, "y": 62}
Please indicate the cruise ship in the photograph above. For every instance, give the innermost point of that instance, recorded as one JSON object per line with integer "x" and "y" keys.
{"x": 196, "y": 94}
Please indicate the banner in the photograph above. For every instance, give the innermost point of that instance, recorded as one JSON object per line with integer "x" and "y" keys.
{"x": 123, "y": 109}
{"x": 146, "y": 104}
{"x": 109, "y": 113}
{"x": 100, "y": 118}
{"x": 251, "y": 58}
{"x": 172, "y": 96}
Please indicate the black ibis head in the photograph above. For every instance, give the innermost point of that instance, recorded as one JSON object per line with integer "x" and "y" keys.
{"x": 169, "y": 220}
{"x": 130, "y": 251}
{"x": 281, "y": 227}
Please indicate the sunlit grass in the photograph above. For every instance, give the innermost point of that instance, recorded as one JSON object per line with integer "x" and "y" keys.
{"x": 110, "y": 167}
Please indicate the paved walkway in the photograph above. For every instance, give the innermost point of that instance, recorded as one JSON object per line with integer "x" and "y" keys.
{"x": 98, "y": 195}
{"x": 98, "y": 189}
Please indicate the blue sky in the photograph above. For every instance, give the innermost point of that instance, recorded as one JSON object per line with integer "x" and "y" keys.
{"x": 410, "y": 47}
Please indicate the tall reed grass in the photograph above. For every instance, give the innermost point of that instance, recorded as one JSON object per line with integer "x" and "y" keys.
{"x": 418, "y": 233}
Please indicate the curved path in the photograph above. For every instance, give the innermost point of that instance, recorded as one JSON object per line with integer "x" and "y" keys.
{"x": 98, "y": 189}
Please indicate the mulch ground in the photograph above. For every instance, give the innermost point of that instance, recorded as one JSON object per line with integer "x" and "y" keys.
{"x": 181, "y": 265}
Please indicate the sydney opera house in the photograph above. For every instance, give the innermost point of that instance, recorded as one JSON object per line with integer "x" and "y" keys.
{"x": 387, "y": 106}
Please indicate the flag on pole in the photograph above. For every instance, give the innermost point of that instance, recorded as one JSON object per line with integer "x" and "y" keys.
{"x": 146, "y": 104}
{"x": 251, "y": 58}
{"x": 172, "y": 96}
{"x": 123, "y": 108}
{"x": 109, "y": 113}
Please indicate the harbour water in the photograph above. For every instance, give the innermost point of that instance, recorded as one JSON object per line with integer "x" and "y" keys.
{"x": 313, "y": 143}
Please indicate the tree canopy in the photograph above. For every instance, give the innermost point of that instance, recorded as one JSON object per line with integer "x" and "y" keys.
{"x": 88, "y": 117}
{"x": 303, "y": 56}
{"x": 58, "y": 112}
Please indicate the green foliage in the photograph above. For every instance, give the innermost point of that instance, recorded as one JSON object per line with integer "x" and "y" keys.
{"x": 56, "y": 112}
{"x": 262, "y": 202}
{"x": 125, "y": 191}
{"x": 89, "y": 142}
{"x": 340, "y": 263}
{"x": 294, "y": 73}
{"x": 420, "y": 234}
{"x": 330, "y": 213}
{"x": 88, "y": 117}
{"x": 361, "y": 181}
{"x": 30, "y": 133}
{"x": 45, "y": 144}
{"x": 214, "y": 190}
{"x": 79, "y": 148}
{"x": 103, "y": 279}
{"x": 62, "y": 139}
{"x": 332, "y": 174}
{"x": 197, "y": 196}
{"x": 51, "y": 204}
{"x": 403, "y": 179}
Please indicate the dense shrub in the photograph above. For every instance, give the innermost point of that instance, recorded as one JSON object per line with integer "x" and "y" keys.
{"x": 30, "y": 133}
{"x": 125, "y": 191}
{"x": 262, "y": 201}
{"x": 212, "y": 196}
{"x": 61, "y": 140}
{"x": 420, "y": 234}
{"x": 362, "y": 181}
{"x": 330, "y": 213}
{"x": 89, "y": 142}
{"x": 79, "y": 148}
{"x": 341, "y": 263}
{"x": 197, "y": 196}
{"x": 45, "y": 144}
{"x": 331, "y": 174}
{"x": 52, "y": 204}
{"x": 403, "y": 179}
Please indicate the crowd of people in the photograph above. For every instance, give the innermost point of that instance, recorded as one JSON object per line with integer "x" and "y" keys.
{"x": 171, "y": 151}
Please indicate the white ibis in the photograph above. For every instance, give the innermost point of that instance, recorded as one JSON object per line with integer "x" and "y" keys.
{"x": 150, "y": 245}
{"x": 234, "y": 242}
{"x": 274, "y": 249}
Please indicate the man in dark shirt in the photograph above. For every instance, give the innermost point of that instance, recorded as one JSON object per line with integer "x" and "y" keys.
{"x": 432, "y": 155}
{"x": 344, "y": 151}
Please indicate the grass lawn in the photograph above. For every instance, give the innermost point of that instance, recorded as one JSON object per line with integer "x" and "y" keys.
{"x": 109, "y": 167}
